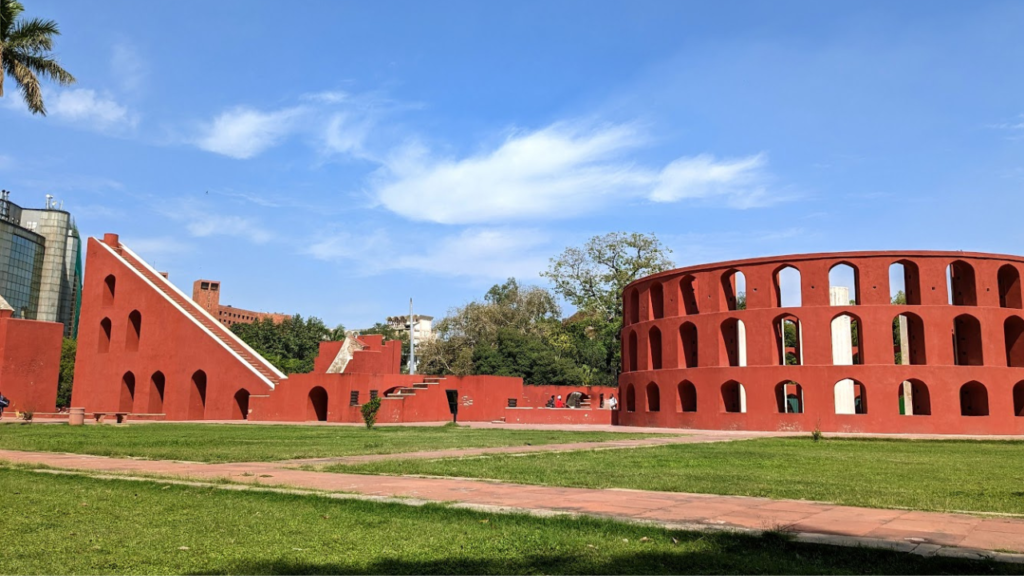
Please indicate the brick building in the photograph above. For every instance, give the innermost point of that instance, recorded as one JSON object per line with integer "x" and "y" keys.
{"x": 206, "y": 293}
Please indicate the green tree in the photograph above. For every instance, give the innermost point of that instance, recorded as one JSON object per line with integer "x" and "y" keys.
{"x": 67, "y": 372}
{"x": 25, "y": 54}
{"x": 291, "y": 345}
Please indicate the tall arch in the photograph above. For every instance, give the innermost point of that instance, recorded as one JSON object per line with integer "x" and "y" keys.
{"x": 654, "y": 348}
{"x": 961, "y": 287}
{"x": 908, "y": 344}
{"x": 653, "y": 397}
{"x": 850, "y": 397}
{"x": 846, "y": 340}
{"x": 973, "y": 399}
{"x": 687, "y": 396}
{"x": 1018, "y": 399}
{"x": 1013, "y": 336}
{"x": 1009, "y": 287}
{"x": 316, "y": 407}
{"x": 844, "y": 284}
{"x": 657, "y": 296}
{"x": 197, "y": 396}
{"x": 914, "y": 398}
{"x": 734, "y": 397}
{"x": 734, "y": 290}
{"x": 630, "y": 398}
{"x": 787, "y": 286}
{"x": 904, "y": 283}
{"x": 134, "y": 332}
{"x": 688, "y": 295}
{"x": 109, "y": 285}
{"x": 634, "y": 306}
{"x": 733, "y": 351}
{"x": 967, "y": 346}
{"x": 157, "y": 386}
{"x": 788, "y": 341}
{"x": 688, "y": 346}
{"x": 104, "y": 339}
{"x": 789, "y": 397}
{"x": 241, "y": 407}
{"x": 127, "y": 400}
{"x": 631, "y": 351}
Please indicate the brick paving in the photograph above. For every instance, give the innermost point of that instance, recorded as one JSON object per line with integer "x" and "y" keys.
{"x": 922, "y": 532}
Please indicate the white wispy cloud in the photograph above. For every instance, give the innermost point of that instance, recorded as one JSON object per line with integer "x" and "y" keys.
{"x": 245, "y": 132}
{"x": 127, "y": 67}
{"x": 203, "y": 225}
{"x": 158, "y": 246}
{"x": 90, "y": 108}
{"x": 557, "y": 172}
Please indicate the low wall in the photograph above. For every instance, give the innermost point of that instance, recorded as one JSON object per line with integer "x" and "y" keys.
{"x": 557, "y": 416}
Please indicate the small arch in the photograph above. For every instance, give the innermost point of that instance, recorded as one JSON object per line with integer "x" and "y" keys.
{"x": 241, "y": 411}
{"x": 734, "y": 397}
{"x": 960, "y": 285}
{"x": 844, "y": 285}
{"x": 197, "y": 396}
{"x": 1013, "y": 336}
{"x": 630, "y": 398}
{"x": 631, "y": 355}
{"x": 127, "y": 401}
{"x": 157, "y": 385}
{"x": 1009, "y": 287}
{"x": 104, "y": 340}
{"x": 914, "y": 398}
{"x": 688, "y": 351}
{"x": 109, "y": 284}
{"x": 653, "y": 397}
{"x": 687, "y": 396}
{"x": 904, "y": 283}
{"x": 973, "y": 399}
{"x": 392, "y": 390}
{"x": 850, "y": 397}
{"x": 688, "y": 295}
{"x": 788, "y": 341}
{"x": 786, "y": 282}
{"x": 634, "y": 306}
{"x": 908, "y": 340}
{"x": 734, "y": 290}
{"x": 654, "y": 349}
{"x": 657, "y": 296}
{"x": 1018, "y": 399}
{"x": 134, "y": 332}
{"x": 846, "y": 340}
{"x": 967, "y": 347}
{"x": 733, "y": 351}
{"x": 789, "y": 397}
{"x": 316, "y": 408}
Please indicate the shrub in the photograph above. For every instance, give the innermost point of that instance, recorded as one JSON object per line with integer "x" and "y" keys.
{"x": 369, "y": 411}
{"x": 816, "y": 433}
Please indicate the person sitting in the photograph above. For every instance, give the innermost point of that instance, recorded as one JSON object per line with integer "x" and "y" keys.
{"x": 4, "y": 403}
{"x": 559, "y": 403}
{"x": 551, "y": 402}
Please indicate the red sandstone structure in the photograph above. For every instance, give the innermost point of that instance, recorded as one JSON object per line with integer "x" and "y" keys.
{"x": 29, "y": 361}
{"x": 707, "y": 346}
{"x": 207, "y": 294}
{"x": 147, "y": 350}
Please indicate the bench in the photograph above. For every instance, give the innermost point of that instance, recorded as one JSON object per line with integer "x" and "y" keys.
{"x": 121, "y": 416}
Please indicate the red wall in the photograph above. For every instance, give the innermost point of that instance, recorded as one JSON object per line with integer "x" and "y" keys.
{"x": 30, "y": 352}
{"x": 879, "y": 374}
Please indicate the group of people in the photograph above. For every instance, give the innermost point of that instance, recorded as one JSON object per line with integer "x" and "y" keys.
{"x": 557, "y": 402}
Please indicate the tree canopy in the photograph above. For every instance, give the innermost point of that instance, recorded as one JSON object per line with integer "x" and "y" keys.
{"x": 291, "y": 345}
{"x": 25, "y": 54}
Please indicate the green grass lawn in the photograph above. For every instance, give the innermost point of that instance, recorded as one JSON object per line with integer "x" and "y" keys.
{"x": 924, "y": 475}
{"x": 78, "y": 525}
{"x": 252, "y": 443}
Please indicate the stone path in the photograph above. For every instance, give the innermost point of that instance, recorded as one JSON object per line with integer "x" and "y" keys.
{"x": 919, "y": 532}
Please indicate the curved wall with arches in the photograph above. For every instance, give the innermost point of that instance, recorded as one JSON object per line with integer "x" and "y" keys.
{"x": 885, "y": 342}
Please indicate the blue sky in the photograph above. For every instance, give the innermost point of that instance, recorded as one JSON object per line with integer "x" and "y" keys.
{"x": 335, "y": 158}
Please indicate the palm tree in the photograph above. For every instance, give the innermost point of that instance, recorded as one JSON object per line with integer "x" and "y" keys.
{"x": 25, "y": 47}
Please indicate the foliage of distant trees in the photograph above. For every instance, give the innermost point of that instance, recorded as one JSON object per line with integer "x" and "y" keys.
{"x": 67, "y": 372}
{"x": 291, "y": 345}
{"x": 25, "y": 54}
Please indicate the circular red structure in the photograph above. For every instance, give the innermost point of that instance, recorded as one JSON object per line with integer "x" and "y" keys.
{"x": 803, "y": 353}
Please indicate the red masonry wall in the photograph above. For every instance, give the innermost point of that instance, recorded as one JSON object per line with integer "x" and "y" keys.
{"x": 30, "y": 352}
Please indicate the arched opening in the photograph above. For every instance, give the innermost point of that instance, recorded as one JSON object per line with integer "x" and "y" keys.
{"x": 843, "y": 285}
{"x": 851, "y": 397}
{"x": 688, "y": 295}
{"x": 630, "y": 398}
{"x": 157, "y": 384}
{"x": 1013, "y": 334}
{"x": 687, "y": 396}
{"x": 1018, "y": 399}
{"x": 657, "y": 300}
{"x": 104, "y": 340}
{"x": 973, "y": 399}
{"x": 688, "y": 355}
{"x": 197, "y": 396}
{"x": 904, "y": 283}
{"x": 789, "y": 397}
{"x": 734, "y": 290}
{"x": 788, "y": 341}
{"x": 392, "y": 391}
{"x": 960, "y": 286}
{"x": 653, "y": 397}
{"x": 734, "y": 397}
{"x": 908, "y": 340}
{"x": 786, "y": 282}
{"x": 634, "y": 306}
{"x": 241, "y": 411}
{"x": 967, "y": 341}
{"x": 127, "y": 401}
{"x": 1009, "y": 287}
{"x": 654, "y": 349}
{"x": 846, "y": 345}
{"x": 134, "y": 332}
{"x": 914, "y": 398}
{"x": 734, "y": 343}
{"x": 631, "y": 351}
{"x": 108, "y": 290}
{"x": 316, "y": 408}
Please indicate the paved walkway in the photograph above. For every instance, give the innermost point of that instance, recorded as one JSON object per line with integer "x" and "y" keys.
{"x": 919, "y": 532}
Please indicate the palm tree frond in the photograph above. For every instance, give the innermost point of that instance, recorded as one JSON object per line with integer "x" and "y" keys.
{"x": 35, "y": 35}
{"x": 9, "y": 11}
{"x": 47, "y": 67}
{"x": 28, "y": 83}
